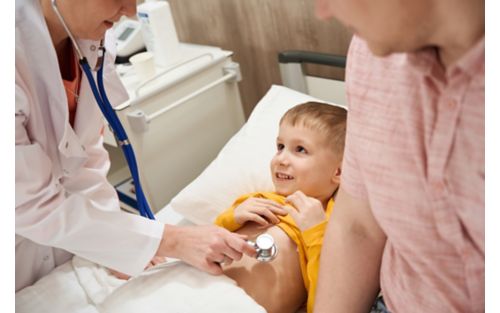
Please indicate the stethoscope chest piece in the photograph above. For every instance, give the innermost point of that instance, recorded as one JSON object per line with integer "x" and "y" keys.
{"x": 266, "y": 248}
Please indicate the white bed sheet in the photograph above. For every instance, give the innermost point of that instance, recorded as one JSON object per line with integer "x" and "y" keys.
{"x": 81, "y": 286}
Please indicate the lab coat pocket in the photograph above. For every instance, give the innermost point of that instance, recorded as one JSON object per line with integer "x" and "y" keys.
{"x": 71, "y": 152}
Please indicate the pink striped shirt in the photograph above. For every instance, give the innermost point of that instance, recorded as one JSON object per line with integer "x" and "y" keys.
{"x": 415, "y": 152}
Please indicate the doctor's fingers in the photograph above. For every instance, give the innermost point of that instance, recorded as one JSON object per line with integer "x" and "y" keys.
{"x": 211, "y": 267}
{"x": 225, "y": 245}
{"x": 158, "y": 260}
{"x": 119, "y": 275}
{"x": 223, "y": 259}
{"x": 237, "y": 243}
{"x": 226, "y": 255}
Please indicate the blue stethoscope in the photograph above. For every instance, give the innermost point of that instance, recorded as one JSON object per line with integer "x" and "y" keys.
{"x": 110, "y": 115}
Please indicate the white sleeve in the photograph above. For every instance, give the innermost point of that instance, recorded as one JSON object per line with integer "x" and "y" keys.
{"x": 47, "y": 214}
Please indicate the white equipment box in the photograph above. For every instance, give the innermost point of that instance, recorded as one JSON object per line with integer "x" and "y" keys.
{"x": 177, "y": 122}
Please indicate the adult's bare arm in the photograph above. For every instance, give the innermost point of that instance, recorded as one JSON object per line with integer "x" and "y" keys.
{"x": 350, "y": 258}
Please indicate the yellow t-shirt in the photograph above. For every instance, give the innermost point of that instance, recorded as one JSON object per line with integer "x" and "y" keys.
{"x": 308, "y": 242}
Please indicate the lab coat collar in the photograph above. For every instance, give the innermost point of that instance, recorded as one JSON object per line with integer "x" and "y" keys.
{"x": 69, "y": 145}
{"x": 72, "y": 151}
{"x": 44, "y": 70}
{"x": 89, "y": 49}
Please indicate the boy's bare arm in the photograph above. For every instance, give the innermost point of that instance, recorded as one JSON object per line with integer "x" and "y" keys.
{"x": 350, "y": 258}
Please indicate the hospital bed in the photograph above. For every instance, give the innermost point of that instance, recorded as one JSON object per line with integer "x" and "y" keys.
{"x": 241, "y": 166}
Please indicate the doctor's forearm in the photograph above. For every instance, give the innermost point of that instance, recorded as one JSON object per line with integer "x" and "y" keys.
{"x": 349, "y": 271}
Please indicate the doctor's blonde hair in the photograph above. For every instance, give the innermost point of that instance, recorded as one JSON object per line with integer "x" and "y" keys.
{"x": 329, "y": 120}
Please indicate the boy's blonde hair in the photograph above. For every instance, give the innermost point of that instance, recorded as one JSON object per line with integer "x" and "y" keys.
{"x": 327, "y": 119}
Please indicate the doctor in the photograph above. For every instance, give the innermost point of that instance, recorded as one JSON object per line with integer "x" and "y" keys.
{"x": 64, "y": 204}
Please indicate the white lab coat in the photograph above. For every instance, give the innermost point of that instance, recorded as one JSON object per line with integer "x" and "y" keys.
{"x": 63, "y": 199}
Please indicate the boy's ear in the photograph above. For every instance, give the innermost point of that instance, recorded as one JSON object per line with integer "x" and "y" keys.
{"x": 336, "y": 175}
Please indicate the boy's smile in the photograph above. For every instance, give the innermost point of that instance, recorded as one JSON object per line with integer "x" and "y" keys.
{"x": 283, "y": 177}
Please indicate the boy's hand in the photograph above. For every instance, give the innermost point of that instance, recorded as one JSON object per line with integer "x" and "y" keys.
{"x": 260, "y": 211}
{"x": 308, "y": 211}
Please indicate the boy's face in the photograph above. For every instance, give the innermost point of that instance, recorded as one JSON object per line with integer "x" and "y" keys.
{"x": 304, "y": 161}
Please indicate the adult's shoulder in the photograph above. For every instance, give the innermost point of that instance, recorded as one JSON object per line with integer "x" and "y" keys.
{"x": 31, "y": 29}
{"x": 23, "y": 8}
{"x": 370, "y": 78}
{"x": 28, "y": 12}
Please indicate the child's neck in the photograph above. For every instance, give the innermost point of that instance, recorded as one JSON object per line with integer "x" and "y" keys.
{"x": 325, "y": 203}
{"x": 334, "y": 195}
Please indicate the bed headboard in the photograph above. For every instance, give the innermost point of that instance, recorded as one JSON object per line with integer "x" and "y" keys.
{"x": 294, "y": 76}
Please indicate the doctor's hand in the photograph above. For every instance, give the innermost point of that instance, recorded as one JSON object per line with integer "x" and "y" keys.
{"x": 204, "y": 247}
{"x": 307, "y": 211}
{"x": 154, "y": 261}
{"x": 119, "y": 275}
{"x": 260, "y": 211}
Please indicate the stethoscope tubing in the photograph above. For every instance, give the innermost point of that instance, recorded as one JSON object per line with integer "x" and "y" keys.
{"x": 109, "y": 113}
{"x": 104, "y": 104}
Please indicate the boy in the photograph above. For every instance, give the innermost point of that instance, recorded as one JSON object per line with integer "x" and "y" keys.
{"x": 306, "y": 175}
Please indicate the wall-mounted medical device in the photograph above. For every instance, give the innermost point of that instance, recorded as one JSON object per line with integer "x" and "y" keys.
{"x": 129, "y": 39}
{"x": 159, "y": 33}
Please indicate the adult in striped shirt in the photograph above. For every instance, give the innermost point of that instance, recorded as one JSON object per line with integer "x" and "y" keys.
{"x": 409, "y": 216}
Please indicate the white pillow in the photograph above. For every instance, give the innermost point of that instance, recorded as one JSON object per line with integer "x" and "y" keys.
{"x": 243, "y": 164}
